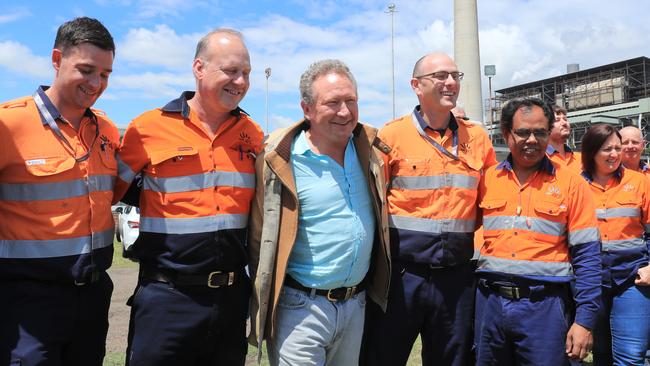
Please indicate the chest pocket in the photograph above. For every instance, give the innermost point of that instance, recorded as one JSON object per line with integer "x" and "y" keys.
{"x": 42, "y": 167}
{"x": 176, "y": 162}
{"x": 490, "y": 206}
{"x": 552, "y": 210}
{"x": 242, "y": 157}
{"x": 628, "y": 200}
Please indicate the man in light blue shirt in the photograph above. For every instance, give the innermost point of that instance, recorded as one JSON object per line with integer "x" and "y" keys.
{"x": 317, "y": 243}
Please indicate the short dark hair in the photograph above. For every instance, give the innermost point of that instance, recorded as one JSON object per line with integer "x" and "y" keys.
{"x": 592, "y": 141}
{"x": 559, "y": 110}
{"x": 83, "y": 30}
{"x": 512, "y": 106}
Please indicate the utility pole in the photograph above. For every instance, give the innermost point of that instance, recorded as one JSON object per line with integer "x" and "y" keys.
{"x": 267, "y": 72}
{"x": 392, "y": 10}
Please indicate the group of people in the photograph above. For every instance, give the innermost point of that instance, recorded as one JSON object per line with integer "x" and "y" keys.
{"x": 298, "y": 230}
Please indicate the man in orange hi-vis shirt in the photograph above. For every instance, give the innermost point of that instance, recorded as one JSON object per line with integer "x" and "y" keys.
{"x": 434, "y": 168}
{"x": 196, "y": 156}
{"x": 633, "y": 146}
{"x": 57, "y": 169}
{"x": 541, "y": 233}
{"x": 558, "y": 150}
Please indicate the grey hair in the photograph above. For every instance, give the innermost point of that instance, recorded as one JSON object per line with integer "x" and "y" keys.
{"x": 318, "y": 69}
{"x": 203, "y": 42}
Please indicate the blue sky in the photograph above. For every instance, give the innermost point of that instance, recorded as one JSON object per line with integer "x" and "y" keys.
{"x": 526, "y": 39}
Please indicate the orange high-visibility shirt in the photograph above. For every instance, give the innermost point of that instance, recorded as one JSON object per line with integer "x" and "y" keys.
{"x": 432, "y": 197}
{"x": 56, "y": 222}
{"x": 197, "y": 189}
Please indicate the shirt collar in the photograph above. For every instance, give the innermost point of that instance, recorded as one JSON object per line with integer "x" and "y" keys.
{"x": 48, "y": 107}
{"x": 453, "y": 125}
{"x": 618, "y": 174}
{"x": 301, "y": 145}
{"x": 179, "y": 105}
{"x": 643, "y": 166}
{"x": 551, "y": 150}
{"x": 545, "y": 165}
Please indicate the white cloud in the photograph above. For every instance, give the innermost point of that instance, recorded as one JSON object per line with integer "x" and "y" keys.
{"x": 150, "y": 85}
{"x": 161, "y": 46}
{"x": 13, "y": 15}
{"x": 278, "y": 121}
{"x": 20, "y": 60}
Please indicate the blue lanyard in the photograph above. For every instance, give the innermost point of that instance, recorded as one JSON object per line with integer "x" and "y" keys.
{"x": 454, "y": 139}
{"x": 57, "y": 131}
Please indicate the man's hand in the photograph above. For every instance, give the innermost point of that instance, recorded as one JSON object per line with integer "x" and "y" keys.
{"x": 578, "y": 341}
{"x": 643, "y": 276}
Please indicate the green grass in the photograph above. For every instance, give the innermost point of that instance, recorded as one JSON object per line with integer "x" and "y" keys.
{"x": 118, "y": 260}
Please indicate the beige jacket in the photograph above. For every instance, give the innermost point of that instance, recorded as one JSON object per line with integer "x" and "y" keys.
{"x": 274, "y": 222}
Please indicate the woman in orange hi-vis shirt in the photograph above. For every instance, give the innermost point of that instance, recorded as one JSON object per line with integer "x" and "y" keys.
{"x": 622, "y": 200}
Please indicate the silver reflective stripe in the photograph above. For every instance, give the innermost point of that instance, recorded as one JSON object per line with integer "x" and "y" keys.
{"x": 521, "y": 267}
{"x": 124, "y": 171}
{"x": 610, "y": 213}
{"x": 583, "y": 236}
{"x": 55, "y": 191}
{"x": 647, "y": 228}
{"x": 535, "y": 224}
{"x": 435, "y": 182}
{"x": 623, "y": 244}
{"x": 192, "y": 225}
{"x": 435, "y": 226}
{"x": 199, "y": 181}
{"x": 55, "y": 248}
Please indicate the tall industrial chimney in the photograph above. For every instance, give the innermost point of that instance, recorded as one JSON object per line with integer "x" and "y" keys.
{"x": 466, "y": 55}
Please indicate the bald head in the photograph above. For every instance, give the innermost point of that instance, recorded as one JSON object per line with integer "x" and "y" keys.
{"x": 221, "y": 36}
{"x": 425, "y": 61}
{"x": 633, "y": 144}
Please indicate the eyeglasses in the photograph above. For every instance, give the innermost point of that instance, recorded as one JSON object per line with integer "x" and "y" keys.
{"x": 443, "y": 75}
{"x": 524, "y": 133}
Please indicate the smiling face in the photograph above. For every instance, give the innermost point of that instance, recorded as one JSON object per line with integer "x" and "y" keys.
{"x": 528, "y": 151}
{"x": 608, "y": 157}
{"x": 82, "y": 73}
{"x": 222, "y": 73}
{"x": 632, "y": 147}
{"x": 436, "y": 95}
{"x": 334, "y": 112}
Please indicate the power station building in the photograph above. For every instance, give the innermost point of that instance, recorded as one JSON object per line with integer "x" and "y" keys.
{"x": 618, "y": 93}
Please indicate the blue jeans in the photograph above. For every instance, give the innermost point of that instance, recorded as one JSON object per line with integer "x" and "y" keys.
{"x": 622, "y": 334}
{"x": 311, "y": 330}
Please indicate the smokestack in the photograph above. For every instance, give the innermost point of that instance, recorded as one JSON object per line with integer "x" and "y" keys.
{"x": 466, "y": 55}
{"x": 572, "y": 68}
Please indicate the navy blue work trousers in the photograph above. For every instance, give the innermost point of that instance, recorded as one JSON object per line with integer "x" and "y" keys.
{"x": 54, "y": 324}
{"x": 189, "y": 325}
{"x": 436, "y": 304}
{"x": 525, "y": 331}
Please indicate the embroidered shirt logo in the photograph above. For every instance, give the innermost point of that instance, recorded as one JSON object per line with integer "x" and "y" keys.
{"x": 464, "y": 147}
{"x": 553, "y": 191}
{"x": 628, "y": 187}
{"x": 243, "y": 137}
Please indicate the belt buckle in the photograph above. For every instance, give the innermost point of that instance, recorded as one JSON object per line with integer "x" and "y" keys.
{"x": 349, "y": 292}
{"x": 231, "y": 279}
{"x": 510, "y": 292}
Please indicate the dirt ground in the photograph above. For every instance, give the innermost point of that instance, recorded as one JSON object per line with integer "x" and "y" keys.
{"x": 124, "y": 280}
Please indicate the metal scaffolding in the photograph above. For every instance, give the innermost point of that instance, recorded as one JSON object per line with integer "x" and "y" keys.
{"x": 599, "y": 94}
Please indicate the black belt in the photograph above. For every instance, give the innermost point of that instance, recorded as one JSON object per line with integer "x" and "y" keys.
{"x": 516, "y": 292}
{"x": 214, "y": 279}
{"x": 335, "y": 294}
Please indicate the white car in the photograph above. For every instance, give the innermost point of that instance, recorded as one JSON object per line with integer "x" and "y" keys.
{"x": 128, "y": 227}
